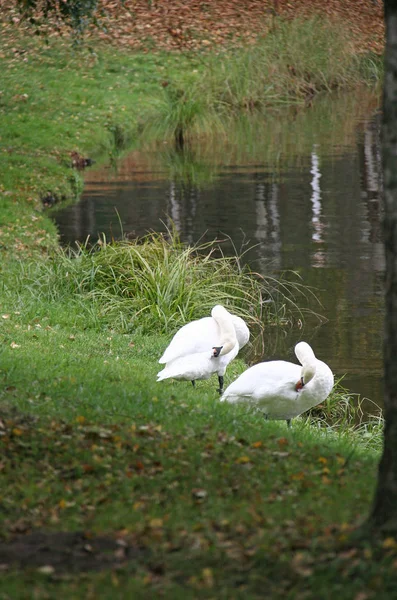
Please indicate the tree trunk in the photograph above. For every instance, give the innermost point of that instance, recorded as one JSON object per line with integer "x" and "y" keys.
{"x": 384, "y": 512}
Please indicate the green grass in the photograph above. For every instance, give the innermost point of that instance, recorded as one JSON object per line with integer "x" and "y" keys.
{"x": 221, "y": 503}
{"x": 156, "y": 284}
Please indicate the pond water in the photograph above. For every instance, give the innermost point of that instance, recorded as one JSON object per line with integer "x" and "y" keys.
{"x": 303, "y": 186}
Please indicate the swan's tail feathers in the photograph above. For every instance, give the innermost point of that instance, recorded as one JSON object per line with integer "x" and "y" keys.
{"x": 232, "y": 398}
{"x": 169, "y": 355}
{"x": 162, "y": 375}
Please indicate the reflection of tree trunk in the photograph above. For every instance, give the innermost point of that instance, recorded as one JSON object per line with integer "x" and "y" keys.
{"x": 372, "y": 177}
{"x": 267, "y": 224}
{"x": 192, "y": 196}
{"x": 384, "y": 513}
{"x": 175, "y": 209}
{"x": 318, "y": 257}
{"x": 370, "y": 161}
{"x": 316, "y": 196}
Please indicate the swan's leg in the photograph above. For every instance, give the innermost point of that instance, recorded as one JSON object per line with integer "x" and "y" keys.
{"x": 193, "y": 383}
{"x": 289, "y": 423}
{"x": 266, "y": 417}
{"x": 220, "y": 379}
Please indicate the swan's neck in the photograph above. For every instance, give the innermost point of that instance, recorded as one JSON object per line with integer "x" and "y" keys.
{"x": 227, "y": 338}
{"x": 307, "y": 359}
{"x": 308, "y": 372}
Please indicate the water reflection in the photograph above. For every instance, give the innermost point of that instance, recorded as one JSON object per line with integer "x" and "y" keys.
{"x": 304, "y": 187}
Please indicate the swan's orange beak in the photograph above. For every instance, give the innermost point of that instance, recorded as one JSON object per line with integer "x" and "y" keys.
{"x": 300, "y": 384}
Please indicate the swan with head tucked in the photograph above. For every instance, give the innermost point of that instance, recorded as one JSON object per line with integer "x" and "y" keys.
{"x": 204, "y": 347}
{"x": 283, "y": 390}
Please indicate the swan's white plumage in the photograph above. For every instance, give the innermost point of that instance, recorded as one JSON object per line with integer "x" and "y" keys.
{"x": 189, "y": 355}
{"x": 272, "y": 385}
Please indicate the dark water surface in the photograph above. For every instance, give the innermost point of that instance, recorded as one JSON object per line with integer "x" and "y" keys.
{"x": 304, "y": 186}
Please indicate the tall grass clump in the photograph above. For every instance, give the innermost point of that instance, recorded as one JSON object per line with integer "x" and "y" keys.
{"x": 155, "y": 284}
{"x": 348, "y": 415}
{"x": 180, "y": 111}
{"x": 292, "y": 63}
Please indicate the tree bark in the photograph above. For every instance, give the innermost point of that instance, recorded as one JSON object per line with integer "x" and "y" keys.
{"x": 384, "y": 511}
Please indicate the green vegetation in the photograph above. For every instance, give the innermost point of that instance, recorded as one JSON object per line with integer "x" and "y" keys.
{"x": 155, "y": 284}
{"x": 218, "y": 502}
{"x": 295, "y": 61}
{"x": 209, "y": 492}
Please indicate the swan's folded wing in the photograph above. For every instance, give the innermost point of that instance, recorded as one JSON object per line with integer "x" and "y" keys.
{"x": 263, "y": 379}
{"x": 195, "y": 366}
{"x": 197, "y": 336}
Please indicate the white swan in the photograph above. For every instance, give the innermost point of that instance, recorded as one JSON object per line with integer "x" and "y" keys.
{"x": 204, "y": 347}
{"x": 282, "y": 389}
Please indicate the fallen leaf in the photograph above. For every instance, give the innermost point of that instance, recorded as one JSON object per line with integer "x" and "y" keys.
{"x": 199, "y": 493}
{"x": 282, "y": 441}
{"x": 243, "y": 460}
{"x": 389, "y": 543}
{"x": 46, "y": 570}
{"x": 156, "y": 523}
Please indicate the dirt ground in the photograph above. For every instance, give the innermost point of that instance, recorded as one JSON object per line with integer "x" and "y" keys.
{"x": 65, "y": 552}
{"x": 197, "y": 23}
{"x": 210, "y": 24}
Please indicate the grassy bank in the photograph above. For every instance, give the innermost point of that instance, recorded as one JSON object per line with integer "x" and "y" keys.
{"x": 175, "y": 493}
{"x": 204, "y": 499}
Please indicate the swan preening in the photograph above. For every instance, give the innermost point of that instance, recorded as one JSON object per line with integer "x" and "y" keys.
{"x": 204, "y": 347}
{"x": 283, "y": 390}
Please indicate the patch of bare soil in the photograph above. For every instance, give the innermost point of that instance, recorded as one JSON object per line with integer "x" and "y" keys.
{"x": 66, "y": 552}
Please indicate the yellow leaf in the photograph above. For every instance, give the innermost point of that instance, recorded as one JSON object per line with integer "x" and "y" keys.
{"x": 80, "y": 420}
{"x": 208, "y": 577}
{"x": 62, "y": 503}
{"x": 156, "y": 523}
{"x": 257, "y": 444}
{"x": 242, "y": 460}
{"x": 389, "y": 543}
{"x": 323, "y": 460}
{"x": 17, "y": 431}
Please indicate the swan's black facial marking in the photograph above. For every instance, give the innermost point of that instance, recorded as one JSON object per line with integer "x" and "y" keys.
{"x": 216, "y": 351}
{"x": 300, "y": 384}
